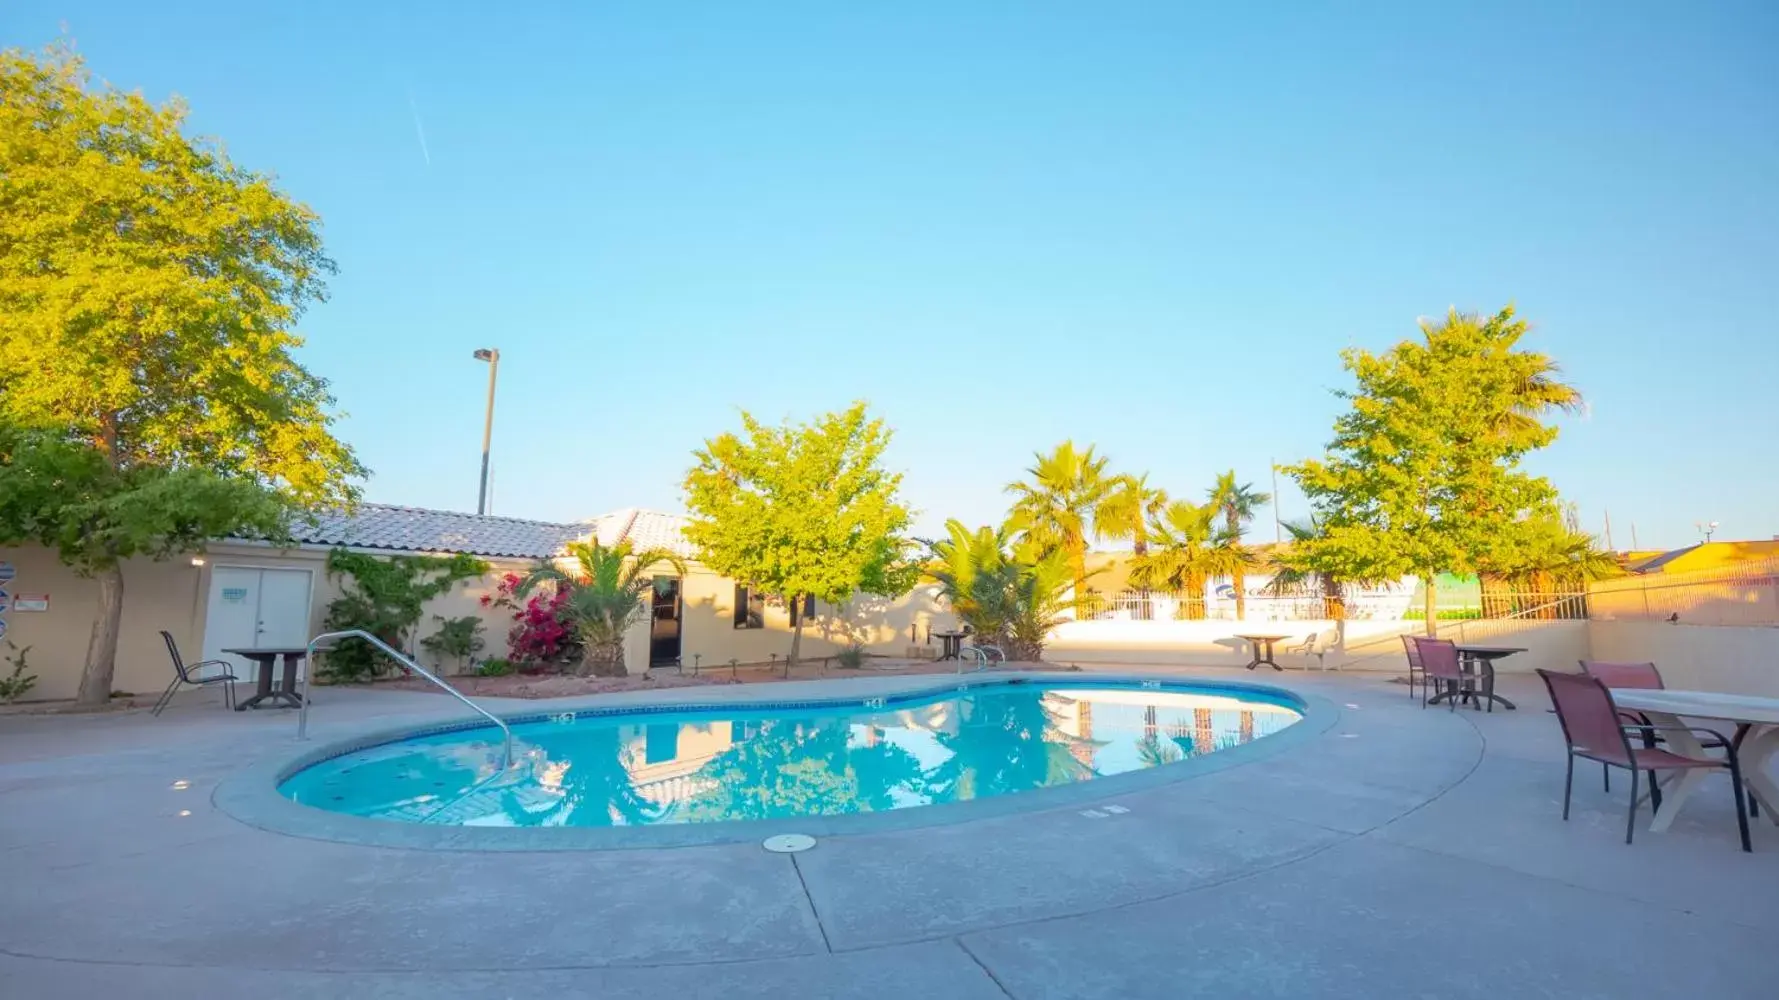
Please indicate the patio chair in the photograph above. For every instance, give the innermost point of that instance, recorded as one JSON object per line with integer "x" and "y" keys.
{"x": 1414, "y": 666}
{"x": 1308, "y": 648}
{"x": 1645, "y": 677}
{"x": 1593, "y": 730}
{"x": 184, "y": 675}
{"x": 1439, "y": 661}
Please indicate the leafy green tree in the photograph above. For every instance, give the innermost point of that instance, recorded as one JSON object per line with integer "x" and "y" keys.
{"x": 603, "y": 597}
{"x": 1423, "y": 473}
{"x": 1054, "y": 506}
{"x": 1010, "y": 595}
{"x": 1304, "y": 563}
{"x": 803, "y": 510}
{"x": 1237, "y": 502}
{"x": 148, "y": 290}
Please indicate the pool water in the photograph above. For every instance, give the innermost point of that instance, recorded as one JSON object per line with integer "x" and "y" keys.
{"x": 757, "y": 762}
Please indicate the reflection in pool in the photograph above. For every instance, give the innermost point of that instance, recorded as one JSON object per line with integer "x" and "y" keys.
{"x": 761, "y": 763}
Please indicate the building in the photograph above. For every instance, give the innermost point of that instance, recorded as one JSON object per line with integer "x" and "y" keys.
{"x": 241, "y": 593}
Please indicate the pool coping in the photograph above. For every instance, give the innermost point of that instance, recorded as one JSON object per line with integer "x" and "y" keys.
{"x": 251, "y": 795}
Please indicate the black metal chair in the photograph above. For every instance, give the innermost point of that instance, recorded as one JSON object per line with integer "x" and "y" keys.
{"x": 184, "y": 675}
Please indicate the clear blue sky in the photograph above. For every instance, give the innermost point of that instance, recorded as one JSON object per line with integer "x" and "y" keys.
{"x": 1150, "y": 227}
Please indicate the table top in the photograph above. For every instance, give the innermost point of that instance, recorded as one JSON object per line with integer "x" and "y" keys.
{"x": 1700, "y": 704}
{"x": 1491, "y": 651}
{"x": 270, "y": 651}
{"x": 950, "y": 635}
{"x": 1264, "y": 638}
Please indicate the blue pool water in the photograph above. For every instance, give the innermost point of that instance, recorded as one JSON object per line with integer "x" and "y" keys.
{"x": 757, "y": 762}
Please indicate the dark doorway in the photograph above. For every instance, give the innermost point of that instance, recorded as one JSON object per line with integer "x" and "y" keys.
{"x": 664, "y": 633}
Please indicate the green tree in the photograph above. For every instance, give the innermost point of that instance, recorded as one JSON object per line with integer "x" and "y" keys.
{"x": 1237, "y": 502}
{"x": 148, "y": 290}
{"x": 803, "y": 510}
{"x": 1423, "y": 473}
{"x": 1010, "y": 595}
{"x": 1304, "y": 563}
{"x": 1126, "y": 510}
{"x": 603, "y": 597}
{"x": 1054, "y": 506}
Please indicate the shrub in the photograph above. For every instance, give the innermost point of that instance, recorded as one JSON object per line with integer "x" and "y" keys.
{"x": 14, "y": 685}
{"x": 458, "y": 638}
{"x": 541, "y": 633}
{"x": 852, "y": 657}
{"x": 495, "y": 666}
{"x": 383, "y": 595}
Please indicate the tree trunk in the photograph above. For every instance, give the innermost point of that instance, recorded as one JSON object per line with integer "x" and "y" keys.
{"x": 603, "y": 659}
{"x": 1240, "y": 581}
{"x": 796, "y": 636}
{"x": 101, "y": 651}
{"x": 1430, "y": 603}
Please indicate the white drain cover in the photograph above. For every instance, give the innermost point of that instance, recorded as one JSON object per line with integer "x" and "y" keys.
{"x": 788, "y": 843}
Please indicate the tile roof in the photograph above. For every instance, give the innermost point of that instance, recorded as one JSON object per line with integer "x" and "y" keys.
{"x": 414, "y": 529}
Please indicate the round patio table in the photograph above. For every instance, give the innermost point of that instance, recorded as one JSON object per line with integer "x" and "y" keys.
{"x": 953, "y": 644}
{"x": 1262, "y": 649}
{"x": 1482, "y": 658}
{"x": 265, "y": 658}
{"x": 1755, "y": 749}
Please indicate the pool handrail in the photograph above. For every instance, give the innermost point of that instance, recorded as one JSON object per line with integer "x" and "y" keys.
{"x": 506, "y": 752}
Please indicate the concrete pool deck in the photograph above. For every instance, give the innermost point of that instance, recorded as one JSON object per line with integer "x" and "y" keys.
{"x": 1398, "y": 852}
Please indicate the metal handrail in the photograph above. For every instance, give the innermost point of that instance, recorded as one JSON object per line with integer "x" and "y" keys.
{"x": 506, "y": 753}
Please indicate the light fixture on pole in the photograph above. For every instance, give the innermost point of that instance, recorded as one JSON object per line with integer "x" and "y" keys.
{"x": 492, "y": 356}
{"x": 1707, "y": 528}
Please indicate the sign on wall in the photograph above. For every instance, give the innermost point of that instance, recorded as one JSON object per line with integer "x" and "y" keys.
{"x": 31, "y": 602}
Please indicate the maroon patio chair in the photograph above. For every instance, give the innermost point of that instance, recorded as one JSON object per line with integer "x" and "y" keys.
{"x": 1645, "y": 677}
{"x": 1414, "y": 665}
{"x": 1593, "y": 730}
{"x": 1439, "y": 660}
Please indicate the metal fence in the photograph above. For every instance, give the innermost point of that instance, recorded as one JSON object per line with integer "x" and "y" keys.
{"x": 1311, "y": 606}
{"x": 1747, "y": 594}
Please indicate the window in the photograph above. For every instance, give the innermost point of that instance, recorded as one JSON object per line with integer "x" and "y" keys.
{"x": 807, "y": 609}
{"x": 750, "y": 607}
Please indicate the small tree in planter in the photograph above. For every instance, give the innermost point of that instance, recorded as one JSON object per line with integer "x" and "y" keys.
{"x": 457, "y": 638}
{"x": 601, "y": 598}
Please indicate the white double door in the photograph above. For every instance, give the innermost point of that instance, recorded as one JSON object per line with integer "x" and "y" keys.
{"x": 252, "y": 608}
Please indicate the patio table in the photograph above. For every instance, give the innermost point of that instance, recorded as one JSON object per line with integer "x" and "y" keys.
{"x": 952, "y": 644}
{"x": 1482, "y": 658}
{"x": 1263, "y": 649}
{"x": 265, "y": 658}
{"x": 1757, "y": 747}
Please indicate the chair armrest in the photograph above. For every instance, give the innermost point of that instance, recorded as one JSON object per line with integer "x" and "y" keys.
{"x": 1638, "y": 727}
{"x": 195, "y": 669}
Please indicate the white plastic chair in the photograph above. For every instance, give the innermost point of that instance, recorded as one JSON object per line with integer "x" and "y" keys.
{"x": 1309, "y": 648}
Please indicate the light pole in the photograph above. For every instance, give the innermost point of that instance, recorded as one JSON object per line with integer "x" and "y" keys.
{"x": 492, "y": 356}
{"x": 1706, "y": 528}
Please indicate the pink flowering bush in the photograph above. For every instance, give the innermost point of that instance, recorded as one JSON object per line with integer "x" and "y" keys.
{"x": 539, "y": 634}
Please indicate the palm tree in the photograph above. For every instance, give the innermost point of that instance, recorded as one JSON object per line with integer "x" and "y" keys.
{"x": 604, "y": 597}
{"x": 1237, "y": 502}
{"x": 1126, "y": 511}
{"x": 1301, "y": 564}
{"x": 1009, "y": 594}
{"x": 1054, "y": 507}
{"x": 1186, "y": 548}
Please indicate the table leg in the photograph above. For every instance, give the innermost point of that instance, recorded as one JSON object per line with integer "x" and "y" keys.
{"x": 1489, "y": 687}
{"x": 1759, "y": 748}
{"x": 1269, "y": 661}
{"x": 287, "y": 690}
{"x": 1677, "y": 791}
{"x": 262, "y": 684}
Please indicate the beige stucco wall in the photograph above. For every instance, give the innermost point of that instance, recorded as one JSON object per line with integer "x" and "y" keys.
{"x": 1364, "y": 644}
{"x": 1731, "y": 659}
{"x": 172, "y": 595}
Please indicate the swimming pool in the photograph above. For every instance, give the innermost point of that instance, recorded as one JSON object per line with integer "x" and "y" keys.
{"x": 774, "y": 761}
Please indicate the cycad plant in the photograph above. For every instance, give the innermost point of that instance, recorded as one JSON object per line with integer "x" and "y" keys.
{"x": 1010, "y": 594}
{"x": 1237, "y": 503}
{"x": 603, "y": 596}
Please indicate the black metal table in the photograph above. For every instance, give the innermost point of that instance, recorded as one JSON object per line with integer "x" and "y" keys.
{"x": 1263, "y": 649}
{"x": 953, "y": 644}
{"x": 266, "y": 658}
{"x": 1482, "y": 658}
